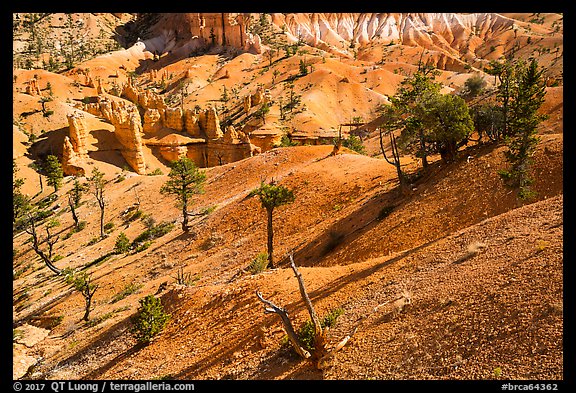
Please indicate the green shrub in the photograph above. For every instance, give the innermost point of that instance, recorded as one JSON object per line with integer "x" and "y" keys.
{"x": 122, "y": 244}
{"x": 68, "y": 275}
{"x": 17, "y": 334}
{"x": 154, "y": 232}
{"x": 209, "y": 209}
{"x": 94, "y": 240}
{"x": 330, "y": 318}
{"x": 108, "y": 227}
{"x": 150, "y": 319}
{"x": 186, "y": 278}
{"x": 98, "y": 320}
{"x": 306, "y": 331}
{"x": 258, "y": 264}
{"x": 285, "y": 141}
{"x": 354, "y": 143}
{"x": 127, "y": 291}
{"x": 101, "y": 259}
{"x": 142, "y": 246}
{"x": 135, "y": 215}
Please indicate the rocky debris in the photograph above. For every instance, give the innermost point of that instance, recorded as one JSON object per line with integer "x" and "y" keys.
{"x": 25, "y": 338}
{"x": 21, "y": 361}
{"x": 29, "y": 335}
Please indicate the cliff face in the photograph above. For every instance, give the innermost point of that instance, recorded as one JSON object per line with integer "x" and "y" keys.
{"x": 226, "y": 29}
{"x": 449, "y": 34}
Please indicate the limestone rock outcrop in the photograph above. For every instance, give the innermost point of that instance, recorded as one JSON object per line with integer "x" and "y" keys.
{"x": 191, "y": 123}
{"x": 211, "y": 124}
{"x": 257, "y": 97}
{"x": 161, "y": 128}
{"x": 99, "y": 88}
{"x": 78, "y": 131}
{"x": 74, "y": 152}
{"x": 128, "y": 131}
{"x": 247, "y": 103}
{"x": 173, "y": 153}
{"x": 452, "y": 34}
{"x": 72, "y": 163}
{"x": 226, "y": 29}
{"x": 152, "y": 121}
{"x": 173, "y": 119}
{"x": 33, "y": 88}
{"x": 147, "y": 99}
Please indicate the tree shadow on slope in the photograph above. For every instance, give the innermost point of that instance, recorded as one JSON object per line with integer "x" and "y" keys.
{"x": 375, "y": 212}
{"x": 279, "y": 363}
{"x": 346, "y": 229}
{"x": 105, "y": 340}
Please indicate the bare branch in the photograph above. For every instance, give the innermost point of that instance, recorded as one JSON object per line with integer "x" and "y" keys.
{"x": 313, "y": 316}
{"x": 292, "y": 336}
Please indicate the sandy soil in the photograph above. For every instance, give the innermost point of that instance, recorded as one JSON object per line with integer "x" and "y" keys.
{"x": 457, "y": 280}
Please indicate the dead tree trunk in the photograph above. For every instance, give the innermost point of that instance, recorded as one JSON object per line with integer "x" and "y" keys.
{"x": 50, "y": 240}
{"x": 292, "y": 336}
{"x": 321, "y": 352}
{"x": 73, "y": 210}
{"x": 88, "y": 293}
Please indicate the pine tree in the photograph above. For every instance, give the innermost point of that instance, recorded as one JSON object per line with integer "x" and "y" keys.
{"x": 150, "y": 319}
{"x": 74, "y": 198}
{"x": 272, "y": 196}
{"x": 185, "y": 181}
{"x": 82, "y": 282}
{"x": 448, "y": 123}
{"x": 410, "y": 104}
{"x": 21, "y": 203}
{"x": 122, "y": 244}
{"x": 504, "y": 75}
{"x": 54, "y": 172}
{"x": 390, "y": 122}
{"x": 528, "y": 97}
